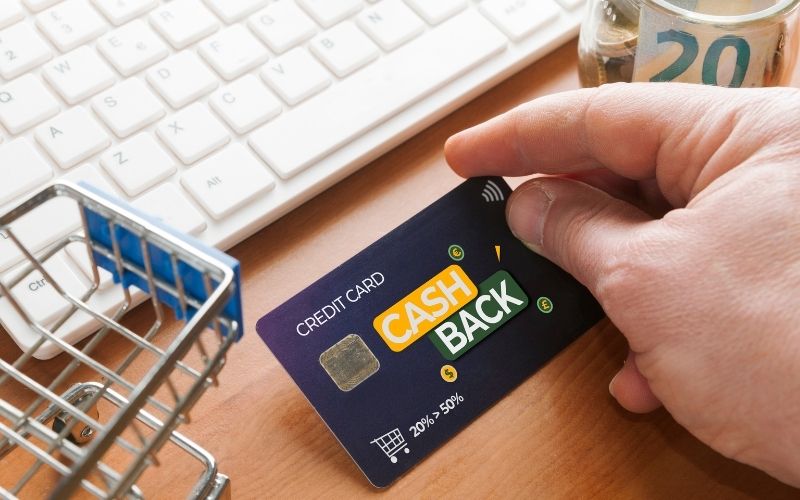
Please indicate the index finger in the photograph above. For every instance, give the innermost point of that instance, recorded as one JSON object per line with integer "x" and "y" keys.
{"x": 639, "y": 131}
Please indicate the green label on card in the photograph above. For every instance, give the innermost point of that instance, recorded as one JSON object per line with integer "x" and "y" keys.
{"x": 500, "y": 298}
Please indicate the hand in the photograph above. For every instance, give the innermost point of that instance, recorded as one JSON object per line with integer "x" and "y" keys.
{"x": 678, "y": 206}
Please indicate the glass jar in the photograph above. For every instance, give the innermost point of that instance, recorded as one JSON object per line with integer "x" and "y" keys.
{"x": 732, "y": 43}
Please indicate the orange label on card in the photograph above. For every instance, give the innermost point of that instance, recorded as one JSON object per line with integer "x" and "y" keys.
{"x": 420, "y": 311}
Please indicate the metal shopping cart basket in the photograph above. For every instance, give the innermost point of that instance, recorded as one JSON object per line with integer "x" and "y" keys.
{"x": 94, "y": 420}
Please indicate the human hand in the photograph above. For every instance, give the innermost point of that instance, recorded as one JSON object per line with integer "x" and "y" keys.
{"x": 678, "y": 206}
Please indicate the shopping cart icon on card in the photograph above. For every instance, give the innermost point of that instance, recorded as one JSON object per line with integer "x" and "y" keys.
{"x": 391, "y": 443}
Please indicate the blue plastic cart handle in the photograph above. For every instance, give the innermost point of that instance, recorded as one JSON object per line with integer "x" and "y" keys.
{"x": 130, "y": 246}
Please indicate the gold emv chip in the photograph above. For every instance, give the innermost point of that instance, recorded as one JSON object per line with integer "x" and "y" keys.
{"x": 349, "y": 362}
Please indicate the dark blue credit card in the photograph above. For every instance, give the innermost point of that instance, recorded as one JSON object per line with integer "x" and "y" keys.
{"x": 403, "y": 345}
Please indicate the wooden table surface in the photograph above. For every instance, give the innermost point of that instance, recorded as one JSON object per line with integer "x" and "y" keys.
{"x": 558, "y": 435}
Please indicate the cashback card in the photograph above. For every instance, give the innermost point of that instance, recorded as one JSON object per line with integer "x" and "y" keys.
{"x": 403, "y": 345}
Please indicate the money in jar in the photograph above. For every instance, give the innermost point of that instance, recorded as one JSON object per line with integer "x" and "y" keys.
{"x": 731, "y": 43}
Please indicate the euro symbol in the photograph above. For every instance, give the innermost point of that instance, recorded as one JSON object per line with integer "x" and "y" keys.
{"x": 456, "y": 252}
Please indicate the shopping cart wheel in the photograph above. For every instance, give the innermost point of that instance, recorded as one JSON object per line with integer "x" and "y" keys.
{"x": 80, "y": 433}
{"x": 394, "y": 460}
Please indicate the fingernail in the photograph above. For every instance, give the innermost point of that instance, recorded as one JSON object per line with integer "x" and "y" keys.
{"x": 527, "y": 213}
{"x": 611, "y": 385}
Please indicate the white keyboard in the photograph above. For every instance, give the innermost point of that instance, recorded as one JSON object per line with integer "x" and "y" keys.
{"x": 219, "y": 116}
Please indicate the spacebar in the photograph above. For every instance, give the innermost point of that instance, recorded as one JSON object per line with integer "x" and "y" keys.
{"x": 328, "y": 121}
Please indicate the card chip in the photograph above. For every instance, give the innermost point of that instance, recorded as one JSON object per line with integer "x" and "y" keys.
{"x": 349, "y": 362}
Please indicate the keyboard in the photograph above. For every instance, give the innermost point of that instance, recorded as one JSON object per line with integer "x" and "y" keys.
{"x": 219, "y": 116}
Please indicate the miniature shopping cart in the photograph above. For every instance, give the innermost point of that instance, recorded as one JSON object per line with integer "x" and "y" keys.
{"x": 391, "y": 443}
{"x": 99, "y": 417}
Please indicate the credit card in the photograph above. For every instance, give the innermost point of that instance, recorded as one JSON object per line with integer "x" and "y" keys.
{"x": 403, "y": 345}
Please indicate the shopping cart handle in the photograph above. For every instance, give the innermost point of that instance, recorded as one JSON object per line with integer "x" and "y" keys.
{"x": 177, "y": 261}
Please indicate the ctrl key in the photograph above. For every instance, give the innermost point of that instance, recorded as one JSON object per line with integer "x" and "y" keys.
{"x": 227, "y": 181}
{"x": 39, "y": 298}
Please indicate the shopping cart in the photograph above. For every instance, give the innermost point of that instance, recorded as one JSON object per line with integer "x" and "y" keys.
{"x": 391, "y": 443}
{"x": 96, "y": 418}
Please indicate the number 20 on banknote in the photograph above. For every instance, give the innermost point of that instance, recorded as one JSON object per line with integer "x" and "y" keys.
{"x": 674, "y": 49}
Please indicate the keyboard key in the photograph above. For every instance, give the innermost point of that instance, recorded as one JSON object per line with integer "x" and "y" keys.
{"x": 78, "y": 255}
{"x": 78, "y": 74}
{"x": 295, "y": 76}
{"x": 42, "y": 226}
{"x": 21, "y": 169}
{"x": 227, "y": 181}
{"x": 138, "y": 164}
{"x": 89, "y": 174}
{"x": 37, "y": 5}
{"x": 52, "y": 220}
{"x": 38, "y": 297}
{"x": 192, "y": 133}
{"x": 245, "y": 104}
{"x": 233, "y": 10}
{"x": 436, "y": 11}
{"x": 77, "y": 251}
{"x": 181, "y": 79}
{"x": 520, "y": 18}
{"x": 329, "y": 12}
{"x": 121, "y": 11}
{"x": 25, "y": 102}
{"x": 132, "y": 47}
{"x": 21, "y": 49}
{"x": 71, "y": 23}
{"x": 10, "y": 12}
{"x": 344, "y": 48}
{"x": 233, "y": 51}
{"x": 390, "y": 23}
{"x": 282, "y": 25}
{"x": 74, "y": 329}
{"x": 127, "y": 107}
{"x": 166, "y": 203}
{"x": 294, "y": 140}
{"x": 71, "y": 137}
{"x": 183, "y": 22}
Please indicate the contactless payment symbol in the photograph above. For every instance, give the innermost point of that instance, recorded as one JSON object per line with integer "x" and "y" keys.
{"x": 545, "y": 305}
{"x": 391, "y": 443}
{"x": 492, "y": 193}
{"x": 455, "y": 252}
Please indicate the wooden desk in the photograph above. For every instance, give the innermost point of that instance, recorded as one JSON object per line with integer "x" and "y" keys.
{"x": 560, "y": 434}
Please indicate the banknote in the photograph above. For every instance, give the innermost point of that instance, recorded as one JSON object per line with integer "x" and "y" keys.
{"x": 724, "y": 7}
{"x": 673, "y": 48}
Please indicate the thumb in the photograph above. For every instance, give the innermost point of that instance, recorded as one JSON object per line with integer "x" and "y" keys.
{"x": 631, "y": 389}
{"x": 579, "y": 227}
